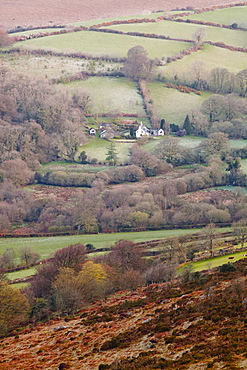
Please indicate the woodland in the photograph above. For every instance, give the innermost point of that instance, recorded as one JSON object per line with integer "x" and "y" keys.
{"x": 182, "y": 71}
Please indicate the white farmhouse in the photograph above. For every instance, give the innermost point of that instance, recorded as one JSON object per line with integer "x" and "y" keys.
{"x": 142, "y": 131}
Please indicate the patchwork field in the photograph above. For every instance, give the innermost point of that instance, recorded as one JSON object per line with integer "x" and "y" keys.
{"x": 98, "y": 44}
{"x": 226, "y": 16}
{"x": 44, "y": 12}
{"x": 186, "y": 31}
{"x": 47, "y": 245}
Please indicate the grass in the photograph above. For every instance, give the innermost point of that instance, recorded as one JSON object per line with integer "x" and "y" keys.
{"x": 173, "y": 105}
{"x": 97, "y": 44}
{"x": 234, "y": 189}
{"x": 217, "y": 261}
{"x": 186, "y": 30}
{"x": 190, "y": 141}
{"x": 46, "y": 246}
{"x": 52, "y": 66}
{"x": 109, "y": 94}
{"x": 244, "y": 165}
{"x": 19, "y": 285}
{"x": 135, "y": 16}
{"x": 40, "y": 30}
{"x": 238, "y": 143}
{"x": 98, "y": 148}
{"x": 210, "y": 57}
{"x": 21, "y": 274}
{"x": 68, "y": 167}
{"x": 226, "y": 16}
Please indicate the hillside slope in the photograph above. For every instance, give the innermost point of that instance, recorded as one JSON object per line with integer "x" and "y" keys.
{"x": 197, "y": 323}
{"x": 43, "y": 12}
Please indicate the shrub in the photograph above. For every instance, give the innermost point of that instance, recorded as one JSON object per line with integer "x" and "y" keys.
{"x": 227, "y": 267}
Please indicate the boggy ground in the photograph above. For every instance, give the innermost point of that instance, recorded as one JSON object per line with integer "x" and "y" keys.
{"x": 25, "y": 13}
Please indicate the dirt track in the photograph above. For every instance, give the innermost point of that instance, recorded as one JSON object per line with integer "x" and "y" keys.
{"x": 15, "y": 13}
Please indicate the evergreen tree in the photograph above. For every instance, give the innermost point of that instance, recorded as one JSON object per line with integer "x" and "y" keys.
{"x": 162, "y": 123}
{"x": 132, "y": 131}
{"x": 111, "y": 155}
{"x": 188, "y": 126}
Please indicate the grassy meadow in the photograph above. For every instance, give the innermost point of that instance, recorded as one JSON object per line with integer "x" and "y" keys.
{"x": 186, "y": 30}
{"x": 110, "y": 94}
{"x": 21, "y": 274}
{"x": 226, "y": 16}
{"x": 46, "y": 246}
{"x": 98, "y": 43}
{"x": 94, "y": 22}
{"x": 98, "y": 148}
{"x": 216, "y": 261}
{"x": 172, "y": 104}
{"x": 210, "y": 57}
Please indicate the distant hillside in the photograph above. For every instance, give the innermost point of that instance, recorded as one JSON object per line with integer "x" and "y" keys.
{"x": 44, "y": 12}
{"x": 197, "y": 323}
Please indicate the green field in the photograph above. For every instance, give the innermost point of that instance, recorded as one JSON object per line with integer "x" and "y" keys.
{"x": 226, "y": 16}
{"x": 111, "y": 94}
{"x": 21, "y": 274}
{"x": 217, "y": 261}
{"x": 185, "y": 31}
{"x": 45, "y": 246}
{"x": 98, "y": 44}
{"x": 98, "y": 148}
{"x": 173, "y": 105}
{"x": 210, "y": 57}
{"x": 238, "y": 143}
{"x": 146, "y": 14}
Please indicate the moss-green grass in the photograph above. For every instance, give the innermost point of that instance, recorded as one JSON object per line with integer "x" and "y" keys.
{"x": 19, "y": 285}
{"x": 109, "y": 94}
{"x": 210, "y": 57}
{"x": 226, "y": 16}
{"x": 217, "y": 261}
{"x": 97, "y": 43}
{"x": 45, "y": 246}
{"x": 173, "y": 105}
{"x": 98, "y": 148}
{"x": 21, "y": 274}
{"x": 186, "y": 30}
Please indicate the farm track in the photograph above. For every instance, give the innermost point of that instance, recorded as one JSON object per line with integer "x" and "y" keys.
{"x": 43, "y": 12}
